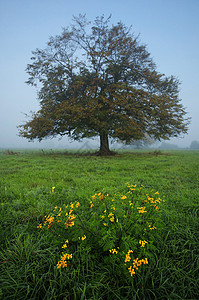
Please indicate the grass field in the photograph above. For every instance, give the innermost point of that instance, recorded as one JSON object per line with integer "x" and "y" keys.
{"x": 28, "y": 257}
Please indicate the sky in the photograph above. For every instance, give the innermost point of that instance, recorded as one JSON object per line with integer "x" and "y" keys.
{"x": 169, "y": 28}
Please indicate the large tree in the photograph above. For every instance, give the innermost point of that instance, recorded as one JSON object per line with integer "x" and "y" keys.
{"x": 96, "y": 79}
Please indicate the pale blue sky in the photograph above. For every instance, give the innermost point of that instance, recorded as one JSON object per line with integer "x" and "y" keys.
{"x": 169, "y": 28}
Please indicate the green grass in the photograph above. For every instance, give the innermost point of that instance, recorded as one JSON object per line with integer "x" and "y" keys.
{"x": 28, "y": 258}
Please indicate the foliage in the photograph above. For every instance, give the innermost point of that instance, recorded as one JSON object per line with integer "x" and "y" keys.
{"x": 115, "y": 230}
{"x": 98, "y": 80}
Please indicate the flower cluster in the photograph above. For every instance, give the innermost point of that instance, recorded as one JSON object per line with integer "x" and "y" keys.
{"x": 152, "y": 227}
{"x": 63, "y": 263}
{"x": 82, "y": 238}
{"x": 141, "y": 210}
{"x": 113, "y": 251}
{"x": 136, "y": 263}
{"x": 70, "y": 221}
{"x": 49, "y": 220}
{"x": 65, "y": 245}
{"x": 111, "y": 217}
{"x": 128, "y": 257}
{"x": 154, "y": 202}
{"x": 118, "y": 228}
{"x": 143, "y": 243}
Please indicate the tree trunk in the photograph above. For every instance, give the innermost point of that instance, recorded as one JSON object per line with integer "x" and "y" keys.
{"x": 104, "y": 145}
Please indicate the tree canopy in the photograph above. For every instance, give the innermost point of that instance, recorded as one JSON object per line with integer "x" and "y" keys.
{"x": 97, "y": 79}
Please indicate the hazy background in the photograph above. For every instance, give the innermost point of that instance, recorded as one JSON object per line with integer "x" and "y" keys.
{"x": 169, "y": 28}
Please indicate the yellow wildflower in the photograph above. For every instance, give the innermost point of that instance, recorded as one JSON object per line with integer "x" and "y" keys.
{"x": 152, "y": 228}
{"x": 131, "y": 270}
{"x": 143, "y": 243}
{"x": 113, "y": 251}
{"x": 145, "y": 261}
{"x": 141, "y": 210}
{"x": 68, "y": 256}
{"x": 49, "y": 220}
{"x": 62, "y": 263}
{"x": 70, "y": 222}
{"x": 128, "y": 257}
{"x": 137, "y": 263}
{"x": 65, "y": 244}
{"x": 93, "y": 197}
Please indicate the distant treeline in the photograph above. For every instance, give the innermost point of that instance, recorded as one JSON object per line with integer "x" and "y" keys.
{"x": 193, "y": 145}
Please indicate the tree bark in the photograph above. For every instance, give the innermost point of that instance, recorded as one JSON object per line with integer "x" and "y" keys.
{"x": 104, "y": 145}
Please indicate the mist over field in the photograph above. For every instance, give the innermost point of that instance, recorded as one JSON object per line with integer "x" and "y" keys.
{"x": 27, "y": 25}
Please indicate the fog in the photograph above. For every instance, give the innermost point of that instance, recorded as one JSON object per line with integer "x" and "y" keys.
{"x": 170, "y": 29}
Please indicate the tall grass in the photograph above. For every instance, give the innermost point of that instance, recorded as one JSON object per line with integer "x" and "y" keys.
{"x": 28, "y": 258}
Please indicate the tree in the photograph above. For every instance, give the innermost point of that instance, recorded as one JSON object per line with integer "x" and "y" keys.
{"x": 194, "y": 145}
{"x": 96, "y": 79}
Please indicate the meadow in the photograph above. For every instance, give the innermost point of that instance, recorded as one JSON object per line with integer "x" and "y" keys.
{"x": 33, "y": 183}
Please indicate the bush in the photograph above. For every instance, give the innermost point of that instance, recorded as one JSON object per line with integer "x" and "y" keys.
{"x": 115, "y": 232}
